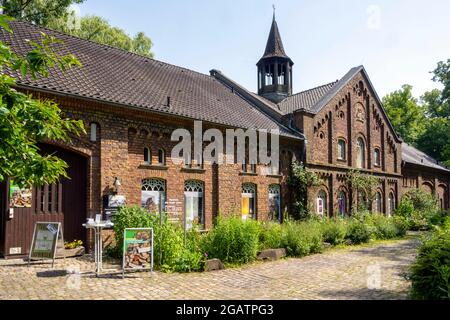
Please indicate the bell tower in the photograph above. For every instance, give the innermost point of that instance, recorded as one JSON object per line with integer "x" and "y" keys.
{"x": 275, "y": 68}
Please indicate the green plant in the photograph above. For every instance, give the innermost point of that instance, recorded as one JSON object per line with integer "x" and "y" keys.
{"x": 271, "y": 235}
{"x": 430, "y": 274}
{"x": 302, "y": 238}
{"x": 233, "y": 240}
{"x": 334, "y": 231}
{"x": 358, "y": 232}
{"x": 73, "y": 245}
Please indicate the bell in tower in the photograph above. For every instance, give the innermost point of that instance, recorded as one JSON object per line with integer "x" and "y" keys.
{"x": 275, "y": 68}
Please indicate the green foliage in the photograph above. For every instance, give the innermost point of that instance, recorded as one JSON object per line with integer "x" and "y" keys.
{"x": 302, "y": 238}
{"x": 334, "y": 232}
{"x": 430, "y": 274}
{"x": 39, "y": 12}
{"x": 73, "y": 245}
{"x": 300, "y": 180}
{"x": 362, "y": 183}
{"x": 420, "y": 210}
{"x": 25, "y": 121}
{"x": 358, "y": 232}
{"x": 233, "y": 240}
{"x": 384, "y": 228}
{"x": 271, "y": 236}
{"x": 406, "y": 114}
{"x": 98, "y": 29}
{"x": 170, "y": 253}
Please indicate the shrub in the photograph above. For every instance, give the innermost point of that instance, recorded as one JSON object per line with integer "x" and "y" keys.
{"x": 169, "y": 254}
{"x": 401, "y": 225}
{"x": 422, "y": 201}
{"x": 384, "y": 227}
{"x": 430, "y": 274}
{"x": 302, "y": 238}
{"x": 271, "y": 236}
{"x": 233, "y": 240}
{"x": 358, "y": 232}
{"x": 334, "y": 232}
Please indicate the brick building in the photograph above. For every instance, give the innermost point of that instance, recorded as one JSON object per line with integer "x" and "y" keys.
{"x": 130, "y": 106}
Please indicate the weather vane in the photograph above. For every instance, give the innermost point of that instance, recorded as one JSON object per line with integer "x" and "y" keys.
{"x": 273, "y": 6}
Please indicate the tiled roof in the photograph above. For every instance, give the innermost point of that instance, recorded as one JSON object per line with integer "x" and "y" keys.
{"x": 116, "y": 76}
{"x": 305, "y": 100}
{"x": 417, "y": 157}
{"x": 274, "y": 46}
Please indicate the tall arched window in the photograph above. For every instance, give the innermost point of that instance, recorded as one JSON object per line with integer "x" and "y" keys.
{"x": 378, "y": 202}
{"x": 153, "y": 197}
{"x": 341, "y": 149}
{"x": 362, "y": 200}
{"x": 377, "y": 157}
{"x": 249, "y": 201}
{"x": 275, "y": 202}
{"x": 194, "y": 204}
{"x": 391, "y": 204}
{"x": 147, "y": 156}
{"x": 321, "y": 203}
{"x": 360, "y": 153}
{"x": 161, "y": 157}
{"x": 342, "y": 202}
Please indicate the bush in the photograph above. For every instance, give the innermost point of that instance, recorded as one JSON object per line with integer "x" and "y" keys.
{"x": 430, "y": 274}
{"x": 169, "y": 254}
{"x": 358, "y": 232}
{"x": 401, "y": 224}
{"x": 384, "y": 227}
{"x": 334, "y": 232}
{"x": 422, "y": 201}
{"x": 271, "y": 236}
{"x": 233, "y": 240}
{"x": 302, "y": 238}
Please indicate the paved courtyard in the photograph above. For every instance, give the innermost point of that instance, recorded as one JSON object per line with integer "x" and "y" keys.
{"x": 372, "y": 272}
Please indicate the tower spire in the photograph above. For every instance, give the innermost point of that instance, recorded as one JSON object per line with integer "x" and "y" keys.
{"x": 274, "y": 9}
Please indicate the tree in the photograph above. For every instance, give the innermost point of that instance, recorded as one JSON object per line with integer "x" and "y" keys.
{"x": 25, "y": 121}
{"x": 97, "y": 29}
{"x": 435, "y": 141}
{"x": 39, "y": 12}
{"x": 406, "y": 114}
{"x": 364, "y": 184}
{"x": 442, "y": 75}
{"x": 300, "y": 180}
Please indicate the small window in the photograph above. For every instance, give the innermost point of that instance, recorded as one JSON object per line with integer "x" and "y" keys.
{"x": 391, "y": 204}
{"x": 161, "y": 157}
{"x": 341, "y": 149}
{"x": 378, "y": 202}
{"x": 194, "y": 204}
{"x": 360, "y": 153}
{"x": 253, "y": 168}
{"x": 275, "y": 202}
{"x": 376, "y": 157}
{"x": 93, "y": 132}
{"x": 321, "y": 207}
{"x": 147, "y": 156}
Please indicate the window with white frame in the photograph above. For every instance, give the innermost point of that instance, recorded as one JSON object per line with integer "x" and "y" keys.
{"x": 391, "y": 204}
{"x": 341, "y": 149}
{"x": 321, "y": 205}
{"x": 275, "y": 202}
{"x": 194, "y": 204}
{"x": 153, "y": 195}
{"x": 360, "y": 153}
{"x": 342, "y": 203}
{"x": 378, "y": 202}
{"x": 249, "y": 201}
{"x": 376, "y": 157}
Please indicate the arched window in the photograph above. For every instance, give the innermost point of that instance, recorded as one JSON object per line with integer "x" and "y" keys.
{"x": 275, "y": 202}
{"x": 360, "y": 153}
{"x": 161, "y": 157}
{"x": 342, "y": 202}
{"x": 147, "y": 156}
{"x": 153, "y": 196}
{"x": 194, "y": 204}
{"x": 249, "y": 201}
{"x": 376, "y": 157}
{"x": 93, "y": 133}
{"x": 378, "y": 202}
{"x": 321, "y": 203}
{"x": 391, "y": 204}
{"x": 341, "y": 149}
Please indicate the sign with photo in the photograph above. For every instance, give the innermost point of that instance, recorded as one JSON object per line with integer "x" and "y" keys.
{"x": 45, "y": 240}
{"x": 19, "y": 197}
{"x": 116, "y": 201}
{"x": 138, "y": 249}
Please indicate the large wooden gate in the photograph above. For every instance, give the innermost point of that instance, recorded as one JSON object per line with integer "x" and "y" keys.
{"x": 64, "y": 202}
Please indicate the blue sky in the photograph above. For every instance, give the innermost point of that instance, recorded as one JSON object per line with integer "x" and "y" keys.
{"x": 398, "y": 41}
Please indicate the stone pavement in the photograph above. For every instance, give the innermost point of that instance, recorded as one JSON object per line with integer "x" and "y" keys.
{"x": 372, "y": 272}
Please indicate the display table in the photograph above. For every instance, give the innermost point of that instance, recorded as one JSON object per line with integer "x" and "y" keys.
{"x": 98, "y": 242}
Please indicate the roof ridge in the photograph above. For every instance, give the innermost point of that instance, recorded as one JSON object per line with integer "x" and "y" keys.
{"x": 111, "y": 47}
